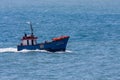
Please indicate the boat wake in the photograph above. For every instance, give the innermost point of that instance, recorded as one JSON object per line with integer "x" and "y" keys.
{"x": 2, "y": 50}
{"x": 14, "y": 50}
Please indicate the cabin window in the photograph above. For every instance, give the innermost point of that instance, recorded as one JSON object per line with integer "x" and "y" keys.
{"x": 24, "y": 42}
{"x": 30, "y": 43}
{"x": 35, "y": 42}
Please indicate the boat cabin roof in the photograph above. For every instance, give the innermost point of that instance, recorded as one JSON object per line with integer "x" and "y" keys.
{"x": 30, "y": 37}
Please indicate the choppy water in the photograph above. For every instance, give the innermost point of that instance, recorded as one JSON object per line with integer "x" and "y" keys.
{"x": 93, "y": 51}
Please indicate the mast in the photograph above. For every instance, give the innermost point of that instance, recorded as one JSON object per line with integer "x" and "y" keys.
{"x": 31, "y": 27}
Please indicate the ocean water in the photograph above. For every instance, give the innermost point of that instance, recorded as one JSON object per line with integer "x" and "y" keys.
{"x": 93, "y": 51}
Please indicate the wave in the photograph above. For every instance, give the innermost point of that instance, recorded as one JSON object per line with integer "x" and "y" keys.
{"x": 14, "y": 50}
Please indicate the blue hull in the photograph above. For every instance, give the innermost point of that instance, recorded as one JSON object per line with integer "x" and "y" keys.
{"x": 52, "y": 46}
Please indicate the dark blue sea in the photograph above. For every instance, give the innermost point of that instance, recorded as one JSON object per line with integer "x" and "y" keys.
{"x": 93, "y": 50}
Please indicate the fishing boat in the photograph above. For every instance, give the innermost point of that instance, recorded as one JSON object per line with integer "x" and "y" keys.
{"x": 29, "y": 42}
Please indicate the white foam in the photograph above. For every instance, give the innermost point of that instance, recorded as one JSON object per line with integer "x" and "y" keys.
{"x": 2, "y": 50}
{"x": 14, "y": 50}
{"x": 26, "y": 51}
{"x": 67, "y": 51}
